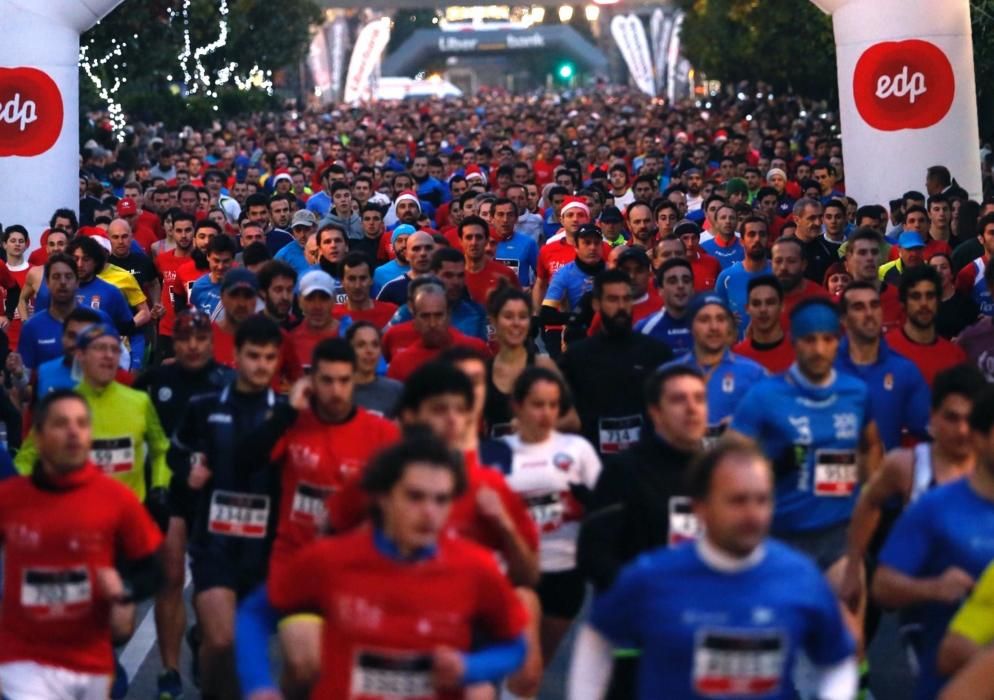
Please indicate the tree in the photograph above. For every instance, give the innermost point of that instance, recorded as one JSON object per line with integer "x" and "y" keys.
{"x": 982, "y": 16}
{"x": 149, "y": 34}
{"x": 786, "y": 43}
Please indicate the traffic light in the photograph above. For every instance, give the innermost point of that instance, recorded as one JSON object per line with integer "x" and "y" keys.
{"x": 566, "y": 70}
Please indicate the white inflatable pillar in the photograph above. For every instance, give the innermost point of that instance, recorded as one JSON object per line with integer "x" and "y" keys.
{"x": 907, "y": 94}
{"x": 39, "y": 106}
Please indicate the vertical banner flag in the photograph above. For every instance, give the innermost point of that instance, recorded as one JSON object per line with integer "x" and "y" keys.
{"x": 317, "y": 61}
{"x": 338, "y": 38}
{"x": 907, "y": 94}
{"x": 673, "y": 57}
{"x": 369, "y": 46}
{"x": 660, "y": 25}
{"x": 629, "y": 35}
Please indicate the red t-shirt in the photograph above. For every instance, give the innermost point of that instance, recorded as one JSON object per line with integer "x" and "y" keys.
{"x": 890, "y": 304}
{"x": 930, "y": 359}
{"x": 14, "y": 329}
{"x": 168, "y": 265}
{"x": 152, "y": 221}
{"x": 302, "y": 340}
{"x": 379, "y": 315}
{"x": 776, "y": 359}
{"x": 186, "y": 275}
{"x": 544, "y": 170}
{"x": 316, "y": 460}
{"x": 706, "y": 269}
{"x": 384, "y": 618}
{"x": 481, "y": 284}
{"x": 649, "y": 304}
{"x": 807, "y": 290}
{"x": 406, "y": 361}
{"x": 288, "y": 371}
{"x": 54, "y": 540}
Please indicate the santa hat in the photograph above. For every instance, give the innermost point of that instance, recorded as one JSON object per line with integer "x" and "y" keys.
{"x": 408, "y": 195}
{"x": 574, "y": 203}
{"x": 473, "y": 172}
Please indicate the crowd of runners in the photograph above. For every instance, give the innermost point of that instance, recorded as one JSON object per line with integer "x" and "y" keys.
{"x": 418, "y": 389}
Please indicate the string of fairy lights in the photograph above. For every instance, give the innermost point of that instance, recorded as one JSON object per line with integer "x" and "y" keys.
{"x": 197, "y": 79}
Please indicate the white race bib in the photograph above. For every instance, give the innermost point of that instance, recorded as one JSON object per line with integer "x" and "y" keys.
{"x": 683, "y": 524}
{"x": 546, "y": 510}
{"x": 385, "y": 675}
{"x": 238, "y": 514}
{"x": 113, "y": 455}
{"x": 309, "y": 504}
{"x": 835, "y": 473}
{"x": 617, "y": 434}
{"x": 738, "y": 662}
{"x": 52, "y": 592}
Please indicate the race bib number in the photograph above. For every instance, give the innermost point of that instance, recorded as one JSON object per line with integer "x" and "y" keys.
{"x": 835, "y": 473}
{"x": 238, "y": 514}
{"x": 713, "y": 434}
{"x": 617, "y": 434}
{"x": 309, "y": 504}
{"x": 56, "y": 592}
{"x": 546, "y": 510}
{"x": 742, "y": 663}
{"x": 114, "y": 455}
{"x": 512, "y": 263}
{"x": 683, "y": 524}
{"x": 391, "y": 676}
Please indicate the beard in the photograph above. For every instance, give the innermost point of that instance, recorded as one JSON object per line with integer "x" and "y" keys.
{"x": 618, "y": 324}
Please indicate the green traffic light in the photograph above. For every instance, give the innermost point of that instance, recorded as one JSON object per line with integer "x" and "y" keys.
{"x": 566, "y": 71}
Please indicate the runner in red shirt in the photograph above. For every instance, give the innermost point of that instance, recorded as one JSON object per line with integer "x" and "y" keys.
{"x": 635, "y": 261}
{"x": 190, "y": 271}
{"x": 15, "y": 242}
{"x": 705, "y": 267}
{"x": 765, "y": 340}
{"x": 917, "y": 340}
{"x": 357, "y": 280}
{"x": 317, "y": 296}
{"x": 789, "y": 265}
{"x": 168, "y": 265}
{"x": 483, "y": 275}
{"x": 403, "y": 599}
{"x": 62, "y": 531}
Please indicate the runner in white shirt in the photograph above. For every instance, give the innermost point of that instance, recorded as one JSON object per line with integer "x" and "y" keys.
{"x": 555, "y": 473}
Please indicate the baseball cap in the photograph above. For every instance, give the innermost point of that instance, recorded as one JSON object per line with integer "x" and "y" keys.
{"x": 190, "y": 322}
{"x": 127, "y": 207}
{"x": 239, "y": 278}
{"x": 909, "y": 240}
{"x": 699, "y": 301}
{"x": 589, "y": 231}
{"x": 636, "y": 253}
{"x": 317, "y": 281}
{"x": 611, "y": 215}
{"x": 304, "y": 217}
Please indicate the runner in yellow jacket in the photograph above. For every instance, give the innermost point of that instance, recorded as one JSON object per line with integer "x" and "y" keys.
{"x": 126, "y": 426}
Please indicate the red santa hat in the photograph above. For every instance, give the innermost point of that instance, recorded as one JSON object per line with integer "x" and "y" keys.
{"x": 409, "y": 195}
{"x": 574, "y": 203}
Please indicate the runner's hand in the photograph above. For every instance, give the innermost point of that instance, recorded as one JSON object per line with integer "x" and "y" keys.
{"x": 448, "y": 668}
{"x": 109, "y": 583}
{"x": 300, "y": 394}
{"x": 199, "y": 475}
{"x": 491, "y": 507}
{"x": 851, "y": 588}
{"x": 953, "y": 585}
{"x": 15, "y": 364}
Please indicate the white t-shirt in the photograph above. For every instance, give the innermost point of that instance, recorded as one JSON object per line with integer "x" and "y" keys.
{"x": 542, "y": 473}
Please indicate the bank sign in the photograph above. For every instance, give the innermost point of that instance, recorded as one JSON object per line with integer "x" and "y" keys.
{"x": 504, "y": 42}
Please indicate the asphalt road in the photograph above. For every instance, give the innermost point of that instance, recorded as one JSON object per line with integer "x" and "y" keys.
{"x": 889, "y": 675}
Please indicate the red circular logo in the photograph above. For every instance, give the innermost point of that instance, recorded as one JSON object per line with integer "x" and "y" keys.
{"x": 30, "y": 112}
{"x": 903, "y": 85}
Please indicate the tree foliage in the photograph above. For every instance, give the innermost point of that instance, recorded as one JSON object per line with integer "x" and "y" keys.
{"x": 269, "y": 35}
{"x": 786, "y": 43}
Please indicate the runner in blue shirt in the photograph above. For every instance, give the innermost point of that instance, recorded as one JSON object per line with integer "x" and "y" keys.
{"x": 940, "y": 546}
{"x": 572, "y": 281}
{"x": 899, "y": 395}
{"x": 392, "y": 269}
{"x": 516, "y": 250}
{"x": 206, "y": 291}
{"x": 725, "y": 616}
{"x": 671, "y": 324}
{"x": 813, "y": 423}
{"x": 728, "y": 376}
{"x": 725, "y": 247}
{"x": 303, "y": 224}
{"x": 733, "y": 282}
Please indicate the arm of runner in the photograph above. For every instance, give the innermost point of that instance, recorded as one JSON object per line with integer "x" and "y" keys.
{"x": 255, "y": 623}
{"x": 490, "y": 664}
{"x": 871, "y": 451}
{"x": 890, "y": 479}
{"x": 522, "y": 558}
{"x": 158, "y": 446}
{"x": 974, "y": 681}
{"x": 971, "y": 628}
{"x": 837, "y": 682}
{"x": 590, "y": 669}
